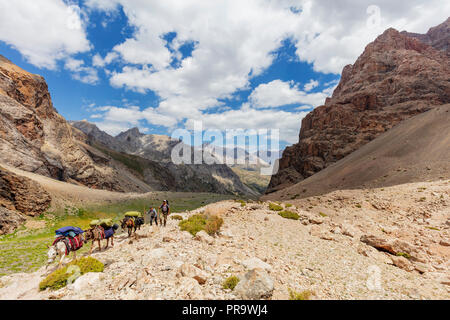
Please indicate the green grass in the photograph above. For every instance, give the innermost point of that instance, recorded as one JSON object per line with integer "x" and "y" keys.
{"x": 323, "y": 214}
{"x": 230, "y": 282}
{"x": 176, "y": 217}
{"x": 288, "y": 205}
{"x": 303, "y": 295}
{"x": 58, "y": 279}
{"x": 289, "y": 215}
{"x": 275, "y": 207}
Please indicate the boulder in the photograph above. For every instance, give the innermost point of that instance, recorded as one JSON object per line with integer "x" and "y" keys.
{"x": 190, "y": 271}
{"x": 255, "y": 285}
{"x": 204, "y": 237}
{"x": 402, "y": 263}
{"x": 255, "y": 263}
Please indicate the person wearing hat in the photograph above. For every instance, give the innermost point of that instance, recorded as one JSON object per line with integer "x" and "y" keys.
{"x": 165, "y": 210}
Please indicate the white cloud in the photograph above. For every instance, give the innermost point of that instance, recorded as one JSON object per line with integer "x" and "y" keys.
{"x": 80, "y": 72}
{"x": 278, "y": 93}
{"x": 98, "y": 61}
{"x": 235, "y": 41}
{"x": 118, "y": 119}
{"x": 311, "y": 85}
{"x": 43, "y": 31}
{"x": 250, "y": 118}
{"x": 332, "y": 34}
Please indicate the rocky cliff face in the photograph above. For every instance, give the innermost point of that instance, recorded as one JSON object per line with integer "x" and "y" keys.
{"x": 35, "y": 138}
{"x": 398, "y": 76}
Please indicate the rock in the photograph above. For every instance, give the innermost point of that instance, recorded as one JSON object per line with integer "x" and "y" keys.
{"x": 85, "y": 282}
{"x": 393, "y": 246}
{"x": 374, "y": 94}
{"x": 19, "y": 196}
{"x": 9, "y": 220}
{"x": 255, "y": 285}
{"x": 168, "y": 239}
{"x": 255, "y": 263}
{"x": 190, "y": 271}
{"x": 318, "y": 231}
{"x": 190, "y": 289}
{"x": 316, "y": 220}
{"x": 402, "y": 263}
{"x": 422, "y": 267}
{"x": 348, "y": 230}
{"x": 445, "y": 243}
{"x": 204, "y": 237}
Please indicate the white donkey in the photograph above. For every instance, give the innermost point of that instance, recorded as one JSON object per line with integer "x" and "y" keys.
{"x": 59, "y": 248}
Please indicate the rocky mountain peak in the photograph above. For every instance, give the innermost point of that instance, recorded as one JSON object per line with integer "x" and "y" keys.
{"x": 396, "y": 77}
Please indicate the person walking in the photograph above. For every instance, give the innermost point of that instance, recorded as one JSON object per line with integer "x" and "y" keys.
{"x": 153, "y": 215}
{"x": 165, "y": 210}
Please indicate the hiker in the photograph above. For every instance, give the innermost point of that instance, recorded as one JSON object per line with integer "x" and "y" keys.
{"x": 153, "y": 215}
{"x": 165, "y": 210}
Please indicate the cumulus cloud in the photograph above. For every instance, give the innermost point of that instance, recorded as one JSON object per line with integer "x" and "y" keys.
{"x": 119, "y": 119}
{"x": 311, "y": 85}
{"x": 236, "y": 40}
{"x": 279, "y": 93}
{"x": 43, "y": 31}
{"x": 80, "y": 72}
{"x": 250, "y": 118}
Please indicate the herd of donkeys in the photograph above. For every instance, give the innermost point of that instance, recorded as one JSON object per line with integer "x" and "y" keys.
{"x": 71, "y": 239}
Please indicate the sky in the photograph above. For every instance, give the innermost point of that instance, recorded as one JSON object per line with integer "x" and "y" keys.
{"x": 161, "y": 65}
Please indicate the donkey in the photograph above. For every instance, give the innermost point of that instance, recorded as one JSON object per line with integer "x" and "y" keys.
{"x": 128, "y": 223}
{"x": 96, "y": 233}
{"x": 60, "y": 248}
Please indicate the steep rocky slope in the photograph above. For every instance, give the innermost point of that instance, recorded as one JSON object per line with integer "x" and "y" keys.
{"x": 333, "y": 255}
{"x": 35, "y": 138}
{"x": 396, "y": 78}
{"x": 418, "y": 149}
{"x": 151, "y": 156}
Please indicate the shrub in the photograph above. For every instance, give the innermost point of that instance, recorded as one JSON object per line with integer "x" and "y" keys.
{"x": 213, "y": 224}
{"x": 58, "y": 279}
{"x": 358, "y": 205}
{"x": 275, "y": 207}
{"x": 194, "y": 224}
{"x": 230, "y": 282}
{"x": 304, "y": 295}
{"x": 176, "y": 217}
{"x": 403, "y": 254}
{"x": 288, "y": 205}
{"x": 289, "y": 215}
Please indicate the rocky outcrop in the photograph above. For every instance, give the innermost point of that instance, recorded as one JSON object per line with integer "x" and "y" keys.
{"x": 397, "y": 77}
{"x": 22, "y": 194}
{"x": 19, "y": 197}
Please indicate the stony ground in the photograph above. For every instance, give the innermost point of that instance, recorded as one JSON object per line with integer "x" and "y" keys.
{"x": 329, "y": 251}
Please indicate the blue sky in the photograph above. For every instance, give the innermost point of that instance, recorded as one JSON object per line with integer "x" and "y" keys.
{"x": 158, "y": 65}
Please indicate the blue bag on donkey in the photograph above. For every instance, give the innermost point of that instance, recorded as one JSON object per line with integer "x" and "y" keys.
{"x": 68, "y": 231}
